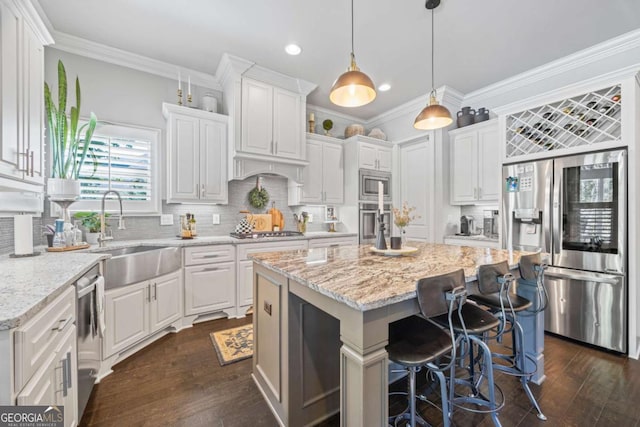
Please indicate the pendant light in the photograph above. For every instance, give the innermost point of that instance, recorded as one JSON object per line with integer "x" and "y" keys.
{"x": 434, "y": 115}
{"x": 353, "y": 88}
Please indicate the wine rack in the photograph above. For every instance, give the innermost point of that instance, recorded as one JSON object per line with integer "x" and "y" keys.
{"x": 587, "y": 119}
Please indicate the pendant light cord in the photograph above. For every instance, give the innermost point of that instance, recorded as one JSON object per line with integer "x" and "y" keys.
{"x": 352, "y": 27}
{"x": 433, "y": 84}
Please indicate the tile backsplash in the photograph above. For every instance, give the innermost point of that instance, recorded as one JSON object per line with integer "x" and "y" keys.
{"x": 477, "y": 212}
{"x": 148, "y": 227}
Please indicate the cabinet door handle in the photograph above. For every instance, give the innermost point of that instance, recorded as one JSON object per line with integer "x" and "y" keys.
{"x": 475, "y": 192}
{"x": 62, "y": 323}
{"x": 203, "y": 191}
{"x": 149, "y": 292}
{"x": 209, "y": 256}
{"x": 198, "y": 190}
{"x": 210, "y": 269}
{"x": 479, "y": 192}
{"x": 31, "y": 157}
{"x": 69, "y": 373}
{"x": 64, "y": 377}
{"x": 155, "y": 292}
{"x": 272, "y": 152}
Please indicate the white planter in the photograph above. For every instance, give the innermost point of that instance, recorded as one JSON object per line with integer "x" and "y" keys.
{"x": 63, "y": 189}
{"x": 91, "y": 238}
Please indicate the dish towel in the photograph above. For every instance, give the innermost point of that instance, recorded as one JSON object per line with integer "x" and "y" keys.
{"x": 100, "y": 305}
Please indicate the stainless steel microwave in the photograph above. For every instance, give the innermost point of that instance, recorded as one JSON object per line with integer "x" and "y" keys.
{"x": 369, "y": 180}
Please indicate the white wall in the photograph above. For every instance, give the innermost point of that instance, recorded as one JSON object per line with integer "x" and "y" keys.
{"x": 116, "y": 93}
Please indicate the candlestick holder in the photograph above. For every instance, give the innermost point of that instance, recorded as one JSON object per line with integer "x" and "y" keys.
{"x": 189, "y": 99}
{"x": 312, "y": 126}
{"x": 179, "y": 96}
{"x": 380, "y": 242}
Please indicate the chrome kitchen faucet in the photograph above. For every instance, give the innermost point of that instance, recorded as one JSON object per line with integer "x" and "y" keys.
{"x": 102, "y": 238}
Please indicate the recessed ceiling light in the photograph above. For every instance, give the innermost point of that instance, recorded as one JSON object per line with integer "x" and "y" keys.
{"x": 384, "y": 87}
{"x": 293, "y": 49}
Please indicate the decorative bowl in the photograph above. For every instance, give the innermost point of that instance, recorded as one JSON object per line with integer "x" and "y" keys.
{"x": 354, "y": 129}
{"x": 378, "y": 134}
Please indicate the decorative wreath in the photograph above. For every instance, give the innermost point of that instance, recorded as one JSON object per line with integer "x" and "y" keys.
{"x": 258, "y": 198}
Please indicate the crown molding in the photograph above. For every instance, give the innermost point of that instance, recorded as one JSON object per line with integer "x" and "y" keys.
{"x": 558, "y": 94}
{"x": 37, "y": 20}
{"x": 598, "y": 52}
{"x": 78, "y": 46}
{"x": 230, "y": 66}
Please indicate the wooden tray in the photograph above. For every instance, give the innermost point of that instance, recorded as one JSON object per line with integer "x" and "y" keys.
{"x": 69, "y": 248}
{"x": 407, "y": 250}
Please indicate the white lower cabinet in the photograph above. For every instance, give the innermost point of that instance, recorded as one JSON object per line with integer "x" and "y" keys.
{"x": 134, "y": 312}
{"x": 209, "y": 279}
{"x": 209, "y": 288}
{"x": 56, "y": 382}
{"x": 245, "y": 265}
{"x": 45, "y": 358}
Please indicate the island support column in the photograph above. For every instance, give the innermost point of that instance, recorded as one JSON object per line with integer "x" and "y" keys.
{"x": 364, "y": 365}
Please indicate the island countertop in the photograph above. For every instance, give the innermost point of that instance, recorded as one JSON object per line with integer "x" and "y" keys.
{"x": 364, "y": 280}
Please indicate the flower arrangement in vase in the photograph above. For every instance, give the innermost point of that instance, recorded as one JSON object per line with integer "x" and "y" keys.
{"x": 402, "y": 217}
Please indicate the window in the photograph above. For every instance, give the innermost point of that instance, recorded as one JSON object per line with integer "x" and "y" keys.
{"x": 125, "y": 159}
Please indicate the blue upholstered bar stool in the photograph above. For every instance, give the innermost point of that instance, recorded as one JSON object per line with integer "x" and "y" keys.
{"x": 497, "y": 294}
{"x": 469, "y": 324}
{"x": 415, "y": 342}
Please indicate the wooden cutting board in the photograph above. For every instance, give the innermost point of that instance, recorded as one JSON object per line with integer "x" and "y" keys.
{"x": 261, "y": 222}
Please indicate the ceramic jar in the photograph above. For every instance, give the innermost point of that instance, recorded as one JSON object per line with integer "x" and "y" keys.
{"x": 466, "y": 117}
{"x": 481, "y": 115}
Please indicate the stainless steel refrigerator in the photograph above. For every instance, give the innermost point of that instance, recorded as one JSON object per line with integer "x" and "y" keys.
{"x": 575, "y": 209}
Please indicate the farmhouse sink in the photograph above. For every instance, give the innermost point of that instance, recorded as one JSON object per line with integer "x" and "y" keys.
{"x": 139, "y": 263}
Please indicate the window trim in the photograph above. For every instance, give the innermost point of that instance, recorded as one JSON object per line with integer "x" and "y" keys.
{"x": 126, "y": 130}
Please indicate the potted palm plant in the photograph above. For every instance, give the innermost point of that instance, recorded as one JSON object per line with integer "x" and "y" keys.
{"x": 68, "y": 142}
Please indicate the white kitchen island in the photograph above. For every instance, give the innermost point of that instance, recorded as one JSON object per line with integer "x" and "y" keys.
{"x": 321, "y": 325}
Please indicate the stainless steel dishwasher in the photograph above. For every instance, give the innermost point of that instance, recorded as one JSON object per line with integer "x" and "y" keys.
{"x": 89, "y": 340}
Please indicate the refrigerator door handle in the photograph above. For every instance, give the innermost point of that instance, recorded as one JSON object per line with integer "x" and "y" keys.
{"x": 556, "y": 204}
{"x": 600, "y": 278}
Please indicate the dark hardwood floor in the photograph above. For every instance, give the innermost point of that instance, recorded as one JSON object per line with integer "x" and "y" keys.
{"x": 177, "y": 381}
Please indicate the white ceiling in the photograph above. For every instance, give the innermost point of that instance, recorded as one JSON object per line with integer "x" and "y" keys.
{"x": 477, "y": 42}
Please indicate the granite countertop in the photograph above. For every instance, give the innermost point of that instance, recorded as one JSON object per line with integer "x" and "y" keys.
{"x": 29, "y": 284}
{"x": 363, "y": 280}
{"x": 214, "y": 240}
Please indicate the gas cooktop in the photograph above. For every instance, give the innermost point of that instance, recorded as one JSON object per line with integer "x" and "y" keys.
{"x": 261, "y": 234}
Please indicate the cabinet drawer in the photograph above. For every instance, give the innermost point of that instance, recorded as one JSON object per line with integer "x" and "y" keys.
{"x": 331, "y": 242}
{"x": 36, "y": 339}
{"x": 253, "y": 248}
{"x": 209, "y": 254}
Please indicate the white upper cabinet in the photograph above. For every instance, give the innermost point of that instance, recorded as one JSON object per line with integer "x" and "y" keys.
{"x": 196, "y": 154}
{"x": 324, "y": 176}
{"x": 272, "y": 120}
{"x": 475, "y": 164}
{"x": 22, "y": 98}
{"x": 376, "y": 157}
